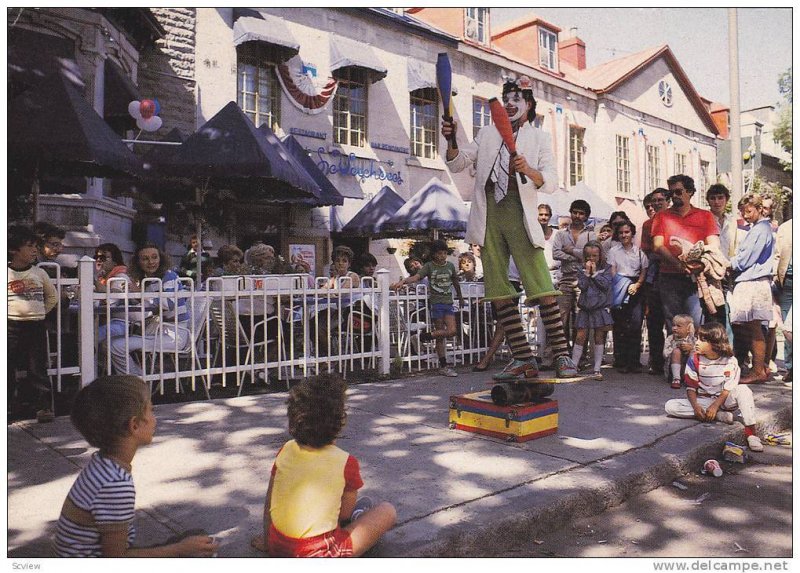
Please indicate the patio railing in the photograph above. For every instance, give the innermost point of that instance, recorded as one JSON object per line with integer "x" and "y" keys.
{"x": 249, "y": 329}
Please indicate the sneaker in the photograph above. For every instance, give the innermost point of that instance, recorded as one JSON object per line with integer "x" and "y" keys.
{"x": 45, "y": 416}
{"x": 518, "y": 371}
{"x": 675, "y": 384}
{"x": 597, "y": 375}
{"x": 363, "y": 505}
{"x": 425, "y": 337}
{"x": 725, "y": 417}
{"x": 754, "y": 443}
{"x": 449, "y": 372}
{"x": 565, "y": 368}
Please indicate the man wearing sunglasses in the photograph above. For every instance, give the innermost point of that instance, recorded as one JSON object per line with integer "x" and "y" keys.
{"x": 682, "y": 221}
{"x": 504, "y": 221}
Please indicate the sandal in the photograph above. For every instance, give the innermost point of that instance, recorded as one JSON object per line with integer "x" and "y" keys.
{"x": 675, "y": 385}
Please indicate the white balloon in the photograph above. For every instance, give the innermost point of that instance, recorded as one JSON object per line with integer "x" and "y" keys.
{"x": 151, "y": 123}
{"x": 133, "y": 109}
{"x": 140, "y": 123}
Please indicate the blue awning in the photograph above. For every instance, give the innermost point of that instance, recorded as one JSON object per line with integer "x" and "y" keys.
{"x": 372, "y": 216}
{"x": 267, "y": 29}
{"x": 435, "y": 207}
{"x": 347, "y": 53}
{"x": 330, "y": 195}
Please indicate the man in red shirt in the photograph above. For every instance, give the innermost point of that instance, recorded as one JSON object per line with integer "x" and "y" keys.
{"x": 654, "y": 203}
{"x": 680, "y": 221}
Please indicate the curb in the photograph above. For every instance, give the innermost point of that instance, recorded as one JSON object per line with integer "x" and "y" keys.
{"x": 542, "y": 505}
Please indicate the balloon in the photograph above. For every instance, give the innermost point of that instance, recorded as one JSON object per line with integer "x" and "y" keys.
{"x": 158, "y": 106}
{"x": 152, "y": 123}
{"x": 133, "y": 109}
{"x": 147, "y": 108}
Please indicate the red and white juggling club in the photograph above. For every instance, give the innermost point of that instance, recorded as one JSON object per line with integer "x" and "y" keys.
{"x": 503, "y": 125}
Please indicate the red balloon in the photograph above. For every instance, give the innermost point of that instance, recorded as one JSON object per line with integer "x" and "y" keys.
{"x": 147, "y": 108}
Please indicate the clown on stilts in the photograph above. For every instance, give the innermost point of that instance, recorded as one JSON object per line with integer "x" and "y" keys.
{"x": 503, "y": 220}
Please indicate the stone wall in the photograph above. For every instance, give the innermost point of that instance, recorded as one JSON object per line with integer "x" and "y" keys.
{"x": 167, "y": 71}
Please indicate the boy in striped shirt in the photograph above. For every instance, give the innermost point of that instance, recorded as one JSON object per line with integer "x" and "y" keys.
{"x": 114, "y": 414}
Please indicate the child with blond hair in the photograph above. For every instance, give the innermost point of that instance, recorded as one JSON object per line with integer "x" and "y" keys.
{"x": 311, "y": 509}
{"x": 677, "y": 347}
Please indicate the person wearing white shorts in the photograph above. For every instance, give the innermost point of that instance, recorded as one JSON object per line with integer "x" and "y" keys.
{"x": 751, "y": 299}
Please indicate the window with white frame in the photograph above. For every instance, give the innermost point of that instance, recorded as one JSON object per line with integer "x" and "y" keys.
{"x": 481, "y": 116}
{"x": 704, "y": 183}
{"x": 547, "y": 49}
{"x": 623, "y": 165}
{"x": 424, "y": 122}
{"x": 350, "y": 108}
{"x": 653, "y": 168}
{"x": 680, "y": 164}
{"x": 476, "y": 24}
{"x": 576, "y": 154}
{"x": 258, "y": 93}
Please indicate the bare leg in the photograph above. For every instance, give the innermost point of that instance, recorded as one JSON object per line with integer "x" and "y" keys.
{"x": 497, "y": 340}
{"x": 367, "y": 530}
{"x": 758, "y": 347}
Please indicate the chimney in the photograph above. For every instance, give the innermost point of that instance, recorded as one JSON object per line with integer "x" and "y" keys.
{"x": 572, "y": 51}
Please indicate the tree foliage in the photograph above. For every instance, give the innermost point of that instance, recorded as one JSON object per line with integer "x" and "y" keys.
{"x": 783, "y": 129}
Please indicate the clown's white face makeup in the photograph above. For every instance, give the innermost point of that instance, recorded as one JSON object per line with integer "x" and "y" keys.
{"x": 515, "y": 105}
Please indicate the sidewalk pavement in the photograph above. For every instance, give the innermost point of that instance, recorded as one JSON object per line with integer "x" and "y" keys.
{"x": 456, "y": 493}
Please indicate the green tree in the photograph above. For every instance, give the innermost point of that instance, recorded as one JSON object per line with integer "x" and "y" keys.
{"x": 783, "y": 130}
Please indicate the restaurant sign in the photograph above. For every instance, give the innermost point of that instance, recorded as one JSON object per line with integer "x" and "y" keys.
{"x": 358, "y": 167}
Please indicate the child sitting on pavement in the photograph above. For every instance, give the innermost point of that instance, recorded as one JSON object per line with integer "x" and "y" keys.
{"x": 114, "y": 414}
{"x": 713, "y": 391}
{"x": 593, "y": 305}
{"x": 677, "y": 347}
{"x": 311, "y": 509}
{"x": 442, "y": 277}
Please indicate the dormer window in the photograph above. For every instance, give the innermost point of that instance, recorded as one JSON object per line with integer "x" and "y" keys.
{"x": 476, "y": 24}
{"x": 548, "y": 42}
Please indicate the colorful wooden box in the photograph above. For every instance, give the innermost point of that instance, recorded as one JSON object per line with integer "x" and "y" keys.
{"x": 477, "y": 413}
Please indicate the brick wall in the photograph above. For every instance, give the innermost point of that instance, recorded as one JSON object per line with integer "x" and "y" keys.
{"x": 167, "y": 71}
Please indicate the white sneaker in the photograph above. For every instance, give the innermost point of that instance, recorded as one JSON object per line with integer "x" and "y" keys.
{"x": 723, "y": 416}
{"x": 449, "y": 372}
{"x": 754, "y": 443}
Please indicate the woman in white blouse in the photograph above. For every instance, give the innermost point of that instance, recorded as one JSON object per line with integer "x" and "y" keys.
{"x": 629, "y": 266}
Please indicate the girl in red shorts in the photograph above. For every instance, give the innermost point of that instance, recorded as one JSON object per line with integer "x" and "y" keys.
{"x": 311, "y": 509}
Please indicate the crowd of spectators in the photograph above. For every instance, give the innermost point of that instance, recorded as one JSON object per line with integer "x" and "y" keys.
{"x": 685, "y": 261}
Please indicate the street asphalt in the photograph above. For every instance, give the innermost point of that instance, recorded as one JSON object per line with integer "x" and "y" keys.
{"x": 456, "y": 493}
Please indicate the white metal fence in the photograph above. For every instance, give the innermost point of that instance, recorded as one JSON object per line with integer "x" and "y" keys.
{"x": 239, "y": 330}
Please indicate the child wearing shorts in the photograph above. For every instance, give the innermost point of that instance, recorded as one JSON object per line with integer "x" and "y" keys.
{"x": 677, "y": 347}
{"x": 311, "y": 509}
{"x": 442, "y": 275}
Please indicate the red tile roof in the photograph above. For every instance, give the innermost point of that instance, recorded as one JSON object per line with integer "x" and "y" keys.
{"x": 610, "y": 75}
{"x": 529, "y": 19}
